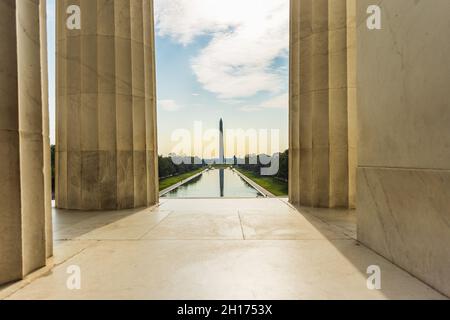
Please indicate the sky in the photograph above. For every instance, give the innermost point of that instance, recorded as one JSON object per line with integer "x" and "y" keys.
{"x": 215, "y": 59}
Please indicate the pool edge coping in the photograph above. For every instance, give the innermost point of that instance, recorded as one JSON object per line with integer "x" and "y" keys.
{"x": 179, "y": 184}
{"x": 260, "y": 189}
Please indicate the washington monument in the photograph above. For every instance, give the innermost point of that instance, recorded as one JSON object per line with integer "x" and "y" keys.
{"x": 221, "y": 144}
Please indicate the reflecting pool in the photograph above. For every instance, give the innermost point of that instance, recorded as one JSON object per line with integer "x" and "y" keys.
{"x": 216, "y": 183}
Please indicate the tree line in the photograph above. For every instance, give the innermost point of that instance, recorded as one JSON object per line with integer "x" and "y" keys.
{"x": 167, "y": 167}
{"x": 283, "y": 172}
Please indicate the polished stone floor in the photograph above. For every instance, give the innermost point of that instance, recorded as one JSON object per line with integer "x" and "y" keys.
{"x": 214, "y": 249}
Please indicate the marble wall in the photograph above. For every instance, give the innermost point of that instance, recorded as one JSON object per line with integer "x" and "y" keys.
{"x": 404, "y": 136}
{"x": 106, "y": 156}
{"x": 25, "y": 216}
{"x": 322, "y": 103}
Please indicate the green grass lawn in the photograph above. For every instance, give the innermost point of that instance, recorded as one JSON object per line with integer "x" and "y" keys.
{"x": 168, "y": 182}
{"x": 276, "y": 187}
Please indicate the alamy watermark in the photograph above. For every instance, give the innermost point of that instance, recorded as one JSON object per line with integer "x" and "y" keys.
{"x": 374, "y": 20}
{"x": 73, "y": 21}
{"x": 250, "y": 146}
{"x": 374, "y": 279}
{"x": 74, "y": 280}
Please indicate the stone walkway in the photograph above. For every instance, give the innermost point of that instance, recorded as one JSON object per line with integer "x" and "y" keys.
{"x": 214, "y": 249}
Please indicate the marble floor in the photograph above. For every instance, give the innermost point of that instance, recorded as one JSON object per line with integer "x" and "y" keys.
{"x": 214, "y": 249}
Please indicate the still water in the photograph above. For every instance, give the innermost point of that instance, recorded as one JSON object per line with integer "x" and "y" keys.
{"x": 217, "y": 183}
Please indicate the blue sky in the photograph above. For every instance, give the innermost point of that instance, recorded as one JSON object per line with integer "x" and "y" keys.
{"x": 215, "y": 59}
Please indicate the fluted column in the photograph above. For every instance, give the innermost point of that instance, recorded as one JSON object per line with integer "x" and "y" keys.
{"x": 321, "y": 104}
{"x": 46, "y": 130}
{"x": 25, "y": 220}
{"x": 106, "y": 106}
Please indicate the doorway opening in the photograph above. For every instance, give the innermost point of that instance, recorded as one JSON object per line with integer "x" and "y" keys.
{"x": 222, "y": 75}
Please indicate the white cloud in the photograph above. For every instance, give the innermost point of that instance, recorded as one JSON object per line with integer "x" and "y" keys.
{"x": 250, "y": 109}
{"x": 169, "y": 105}
{"x": 246, "y": 38}
{"x": 277, "y": 102}
{"x": 233, "y": 101}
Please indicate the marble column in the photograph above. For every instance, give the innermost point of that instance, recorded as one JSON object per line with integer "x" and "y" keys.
{"x": 46, "y": 130}
{"x": 25, "y": 218}
{"x": 106, "y": 150}
{"x": 322, "y": 104}
{"x": 404, "y": 132}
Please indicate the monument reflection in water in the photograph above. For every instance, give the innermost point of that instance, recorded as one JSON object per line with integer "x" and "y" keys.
{"x": 215, "y": 183}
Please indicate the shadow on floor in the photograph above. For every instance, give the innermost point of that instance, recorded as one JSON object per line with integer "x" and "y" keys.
{"x": 345, "y": 220}
{"x": 70, "y": 224}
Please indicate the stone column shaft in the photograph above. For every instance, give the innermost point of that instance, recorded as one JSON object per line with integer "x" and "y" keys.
{"x": 106, "y": 109}
{"x": 321, "y": 170}
{"x": 46, "y": 130}
{"x": 25, "y": 218}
